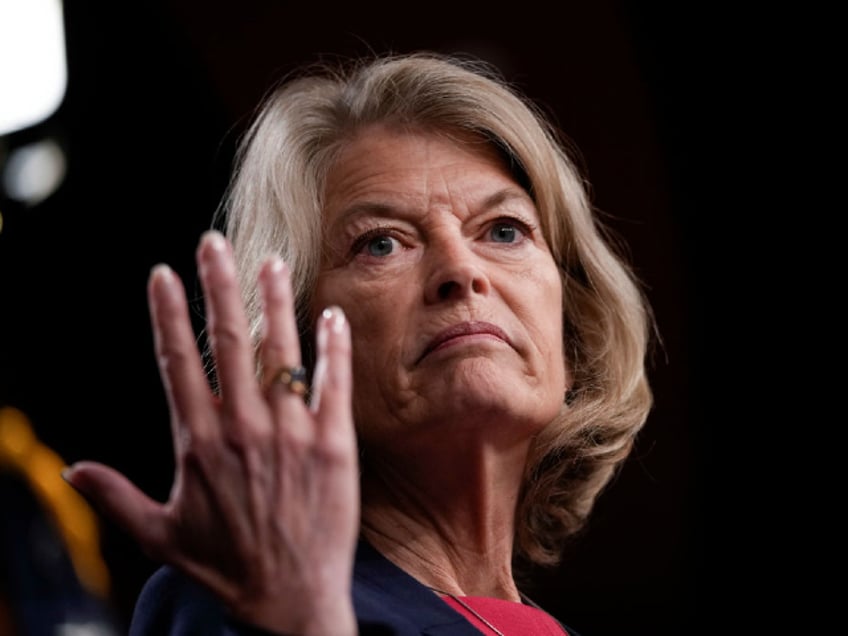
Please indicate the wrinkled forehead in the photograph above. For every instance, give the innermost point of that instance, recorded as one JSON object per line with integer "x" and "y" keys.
{"x": 416, "y": 169}
{"x": 359, "y": 146}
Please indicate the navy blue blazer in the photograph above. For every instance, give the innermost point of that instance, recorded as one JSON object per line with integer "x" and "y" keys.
{"x": 387, "y": 602}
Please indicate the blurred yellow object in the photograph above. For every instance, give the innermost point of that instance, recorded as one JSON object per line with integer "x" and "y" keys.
{"x": 23, "y": 453}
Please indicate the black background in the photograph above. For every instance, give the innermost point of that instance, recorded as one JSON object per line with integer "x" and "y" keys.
{"x": 158, "y": 92}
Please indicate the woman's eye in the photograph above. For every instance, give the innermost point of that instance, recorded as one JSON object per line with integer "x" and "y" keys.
{"x": 505, "y": 232}
{"x": 380, "y": 245}
{"x": 376, "y": 243}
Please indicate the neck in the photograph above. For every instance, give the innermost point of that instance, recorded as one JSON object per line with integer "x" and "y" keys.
{"x": 447, "y": 518}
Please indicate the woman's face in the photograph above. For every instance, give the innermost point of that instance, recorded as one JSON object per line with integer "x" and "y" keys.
{"x": 437, "y": 257}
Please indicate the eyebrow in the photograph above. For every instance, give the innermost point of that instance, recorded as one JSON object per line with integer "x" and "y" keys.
{"x": 374, "y": 208}
{"x": 507, "y": 194}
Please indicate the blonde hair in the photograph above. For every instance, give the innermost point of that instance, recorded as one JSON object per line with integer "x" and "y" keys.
{"x": 274, "y": 204}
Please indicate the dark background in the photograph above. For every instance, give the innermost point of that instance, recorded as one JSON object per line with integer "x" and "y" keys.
{"x": 157, "y": 94}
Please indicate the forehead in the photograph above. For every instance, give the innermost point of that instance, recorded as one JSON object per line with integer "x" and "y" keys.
{"x": 414, "y": 166}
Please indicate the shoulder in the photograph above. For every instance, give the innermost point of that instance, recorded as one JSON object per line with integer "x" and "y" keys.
{"x": 387, "y": 601}
{"x": 171, "y": 603}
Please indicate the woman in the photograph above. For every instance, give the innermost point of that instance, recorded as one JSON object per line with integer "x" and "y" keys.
{"x": 409, "y": 238}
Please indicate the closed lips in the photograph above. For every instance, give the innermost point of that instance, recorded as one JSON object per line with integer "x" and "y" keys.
{"x": 461, "y": 330}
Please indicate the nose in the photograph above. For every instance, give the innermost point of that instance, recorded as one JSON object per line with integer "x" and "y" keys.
{"x": 456, "y": 272}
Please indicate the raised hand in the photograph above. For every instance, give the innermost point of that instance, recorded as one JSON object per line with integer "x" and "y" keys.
{"x": 264, "y": 508}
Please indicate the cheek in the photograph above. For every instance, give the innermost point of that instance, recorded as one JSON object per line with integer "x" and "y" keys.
{"x": 380, "y": 382}
{"x": 371, "y": 342}
{"x": 375, "y": 316}
{"x": 548, "y": 342}
{"x": 548, "y": 335}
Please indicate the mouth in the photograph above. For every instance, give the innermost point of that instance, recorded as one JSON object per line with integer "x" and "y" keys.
{"x": 463, "y": 331}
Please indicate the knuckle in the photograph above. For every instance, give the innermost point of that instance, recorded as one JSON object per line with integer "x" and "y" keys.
{"x": 225, "y": 334}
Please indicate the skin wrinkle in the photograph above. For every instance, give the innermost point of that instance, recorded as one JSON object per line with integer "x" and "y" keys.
{"x": 420, "y": 515}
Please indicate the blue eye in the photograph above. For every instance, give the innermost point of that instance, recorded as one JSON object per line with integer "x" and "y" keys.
{"x": 378, "y": 242}
{"x": 381, "y": 245}
{"x": 503, "y": 233}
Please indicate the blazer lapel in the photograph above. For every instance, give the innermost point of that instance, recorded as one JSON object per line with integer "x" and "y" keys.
{"x": 385, "y": 594}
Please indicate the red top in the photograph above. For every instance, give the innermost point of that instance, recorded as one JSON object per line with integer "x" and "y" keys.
{"x": 511, "y": 618}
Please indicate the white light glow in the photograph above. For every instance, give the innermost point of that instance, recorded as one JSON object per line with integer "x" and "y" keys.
{"x": 34, "y": 172}
{"x": 33, "y": 65}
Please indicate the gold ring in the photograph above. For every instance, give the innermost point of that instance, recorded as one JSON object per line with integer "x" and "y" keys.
{"x": 293, "y": 378}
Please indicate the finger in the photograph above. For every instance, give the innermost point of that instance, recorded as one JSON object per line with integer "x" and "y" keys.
{"x": 226, "y": 322}
{"x": 115, "y": 496}
{"x": 180, "y": 367}
{"x": 280, "y": 344}
{"x": 333, "y": 378}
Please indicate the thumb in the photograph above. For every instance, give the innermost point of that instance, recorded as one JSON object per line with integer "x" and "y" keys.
{"x": 116, "y": 497}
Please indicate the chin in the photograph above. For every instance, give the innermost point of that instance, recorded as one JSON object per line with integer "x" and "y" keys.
{"x": 510, "y": 401}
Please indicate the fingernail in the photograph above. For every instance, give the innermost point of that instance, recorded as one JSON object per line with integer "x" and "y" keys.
{"x": 214, "y": 239}
{"x": 162, "y": 272}
{"x": 67, "y": 473}
{"x": 335, "y": 318}
{"x": 277, "y": 265}
{"x": 163, "y": 279}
